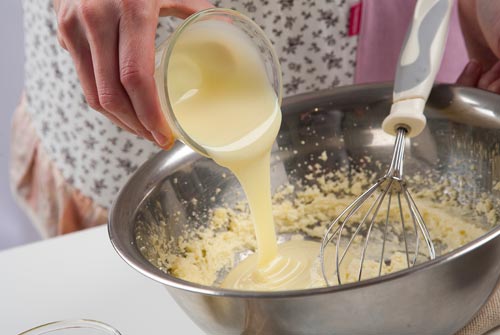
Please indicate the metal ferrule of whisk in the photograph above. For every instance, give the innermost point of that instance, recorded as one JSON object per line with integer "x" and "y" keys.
{"x": 392, "y": 189}
{"x": 396, "y": 168}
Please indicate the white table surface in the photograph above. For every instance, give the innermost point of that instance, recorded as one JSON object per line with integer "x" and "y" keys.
{"x": 81, "y": 276}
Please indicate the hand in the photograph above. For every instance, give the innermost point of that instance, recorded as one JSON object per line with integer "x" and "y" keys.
{"x": 112, "y": 44}
{"x": 474, "y": 76}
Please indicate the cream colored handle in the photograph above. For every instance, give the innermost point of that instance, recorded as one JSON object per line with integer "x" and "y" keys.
{"x": 418, "y": 65}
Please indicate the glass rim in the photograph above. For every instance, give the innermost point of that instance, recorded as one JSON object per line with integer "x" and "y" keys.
{"x": 170, "y": 46}
{"x": 76, "y": 323}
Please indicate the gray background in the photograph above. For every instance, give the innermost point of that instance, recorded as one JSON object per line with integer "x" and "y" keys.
{"x": 15, "y": 228}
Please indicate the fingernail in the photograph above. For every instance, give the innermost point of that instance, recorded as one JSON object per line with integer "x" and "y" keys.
{"x": 473, "y": 67}
{"x": 161, "y": 139}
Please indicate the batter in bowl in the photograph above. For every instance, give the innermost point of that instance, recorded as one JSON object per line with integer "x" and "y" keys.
{"x": 301, "y": 211}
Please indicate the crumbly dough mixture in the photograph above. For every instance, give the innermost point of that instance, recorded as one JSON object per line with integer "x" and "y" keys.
{"x": 303, "y": 211}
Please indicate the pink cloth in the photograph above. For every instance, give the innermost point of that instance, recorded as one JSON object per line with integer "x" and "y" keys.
{"x": 53, "y": 205}
{"x": 383, "y": 27}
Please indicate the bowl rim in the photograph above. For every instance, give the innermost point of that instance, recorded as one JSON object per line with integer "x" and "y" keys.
{"x": 127, "y": 250}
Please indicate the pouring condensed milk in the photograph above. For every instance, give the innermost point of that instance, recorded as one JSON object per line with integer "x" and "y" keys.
{"x": 221, "y": 100}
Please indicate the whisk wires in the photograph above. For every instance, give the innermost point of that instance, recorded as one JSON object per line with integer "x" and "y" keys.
{"x": 390, "y": 184}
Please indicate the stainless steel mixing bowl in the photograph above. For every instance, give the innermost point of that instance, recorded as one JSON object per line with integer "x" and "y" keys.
{"x": 437, "y": 297}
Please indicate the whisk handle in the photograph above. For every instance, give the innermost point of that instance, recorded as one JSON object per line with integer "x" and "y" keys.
{"x": 418, "y": 65}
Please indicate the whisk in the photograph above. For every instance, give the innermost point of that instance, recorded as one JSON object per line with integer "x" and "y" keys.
{"x": 418, "y": 64}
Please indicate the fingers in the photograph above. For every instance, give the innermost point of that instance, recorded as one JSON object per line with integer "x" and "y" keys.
{"x": 490, "y": 80}
{"x": 73, "y": 37}
{"x": 136, "y": 58}
{"x": 182, "y": 9}
{"x": 471, "y": 74}
{"x": 495, "y": 85}
{"x": 101, "y": 20}
{"x": 474, "y": 76}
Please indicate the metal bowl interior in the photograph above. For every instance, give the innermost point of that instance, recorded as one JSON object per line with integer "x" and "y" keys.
{"x": 461, "y": 139}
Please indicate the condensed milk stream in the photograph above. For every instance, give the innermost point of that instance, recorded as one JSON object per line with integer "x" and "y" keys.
{"x": 222, "y": 98}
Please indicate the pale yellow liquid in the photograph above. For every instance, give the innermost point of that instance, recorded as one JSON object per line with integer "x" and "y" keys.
{"x": 222, "y": 98}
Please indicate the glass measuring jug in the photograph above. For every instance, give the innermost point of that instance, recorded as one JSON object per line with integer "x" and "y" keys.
{"x": 73, "y": 327}
{"x": 230, "y": 20}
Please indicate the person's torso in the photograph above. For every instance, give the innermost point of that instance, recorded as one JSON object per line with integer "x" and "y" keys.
{"x": 316, "y": 41}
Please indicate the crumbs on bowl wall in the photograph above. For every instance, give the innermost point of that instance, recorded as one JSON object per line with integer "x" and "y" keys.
{"x": 303, "y": 210}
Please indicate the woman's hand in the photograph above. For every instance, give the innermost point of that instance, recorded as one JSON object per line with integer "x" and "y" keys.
{"x": 474, "y": 76}
{"x": 112, "y": 43}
